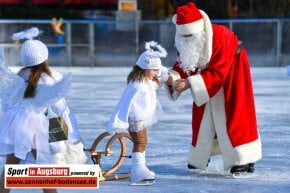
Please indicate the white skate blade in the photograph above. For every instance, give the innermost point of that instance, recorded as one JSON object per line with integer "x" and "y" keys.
{"x": 143, "y": 183}
{"x": 244, "y": 175}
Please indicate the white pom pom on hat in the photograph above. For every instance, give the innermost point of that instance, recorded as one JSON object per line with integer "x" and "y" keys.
{"x": 150, "y": 59}
{"x": 33, "y": 52}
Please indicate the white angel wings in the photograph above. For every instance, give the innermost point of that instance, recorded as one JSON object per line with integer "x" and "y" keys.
{"x": 12, "y": 88}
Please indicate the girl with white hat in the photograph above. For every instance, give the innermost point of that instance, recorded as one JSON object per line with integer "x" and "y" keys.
{"x": 138, "y": 109}
{"x": 33, "y": 96}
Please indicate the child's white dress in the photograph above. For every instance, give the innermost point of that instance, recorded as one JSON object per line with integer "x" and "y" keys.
{"x": 138, "y": 109}
{"x": 24, "y": 124}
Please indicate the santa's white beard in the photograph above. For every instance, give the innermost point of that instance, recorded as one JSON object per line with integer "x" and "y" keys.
{"x": 191, "y": 51}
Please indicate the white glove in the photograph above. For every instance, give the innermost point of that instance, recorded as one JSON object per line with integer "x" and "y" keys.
{"x": 163, "y": 74}
{"x": 173, "y": 94}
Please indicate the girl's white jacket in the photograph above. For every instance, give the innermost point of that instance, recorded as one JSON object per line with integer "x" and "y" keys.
{"x": 138, "y": 103}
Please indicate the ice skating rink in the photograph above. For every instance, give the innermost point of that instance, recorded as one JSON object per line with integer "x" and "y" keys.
{"x": 95, "y": 92}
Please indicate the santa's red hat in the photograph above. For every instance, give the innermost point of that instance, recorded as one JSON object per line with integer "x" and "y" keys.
{"x": 190, "y": 20}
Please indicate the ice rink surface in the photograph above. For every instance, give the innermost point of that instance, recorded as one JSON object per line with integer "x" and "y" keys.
{"x": 95, "y": 92}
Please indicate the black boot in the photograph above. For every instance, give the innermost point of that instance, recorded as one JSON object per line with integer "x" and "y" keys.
{"x": 193, "y": 167}
{"x": 239, "y": 169}
{"x": 243, "y": 168}
{"x": 251, "y": 168}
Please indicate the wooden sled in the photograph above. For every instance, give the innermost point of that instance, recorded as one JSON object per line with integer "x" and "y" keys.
{"x": 107, "y": 141}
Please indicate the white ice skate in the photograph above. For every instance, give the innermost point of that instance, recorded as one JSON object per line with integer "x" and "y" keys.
{"x": 140, "y": 174}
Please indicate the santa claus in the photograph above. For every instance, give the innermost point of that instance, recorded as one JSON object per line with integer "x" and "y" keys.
{"x": 212, "y": 63}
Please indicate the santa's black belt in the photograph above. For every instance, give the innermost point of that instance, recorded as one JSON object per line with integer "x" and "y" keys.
{"x": 239, "y": 48}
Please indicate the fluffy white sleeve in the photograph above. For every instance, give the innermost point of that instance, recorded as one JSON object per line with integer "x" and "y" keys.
{"x": 13, "y": 87}
{"x": 120, "y": 116}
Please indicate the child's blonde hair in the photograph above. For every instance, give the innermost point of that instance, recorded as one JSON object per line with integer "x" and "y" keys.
{"x": 139, "y": 74}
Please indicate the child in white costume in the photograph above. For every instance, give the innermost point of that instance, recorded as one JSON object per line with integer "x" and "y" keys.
{"x": 138, "y": 107}
{"x": 29, "y": 98}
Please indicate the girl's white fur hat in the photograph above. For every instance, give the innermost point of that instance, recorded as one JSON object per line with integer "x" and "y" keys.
{"x": 150, "y": 59}
{"x": 33, "y": 52}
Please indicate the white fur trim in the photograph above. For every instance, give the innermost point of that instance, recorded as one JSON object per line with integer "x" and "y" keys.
{"x": 209, "y": 36}
{"x": 173, "y": 96}
{"x": 214, "y": 121}
{"x": 189, "y": 28}
{"x": 199, "y": 155}
{"x": 244, "y": 154}
{"x": 215, "y": 148}
{"x": 198, "y": 89}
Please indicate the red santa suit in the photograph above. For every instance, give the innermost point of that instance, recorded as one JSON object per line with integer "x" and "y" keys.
{"x": 223, "y": 103}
